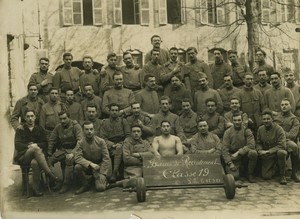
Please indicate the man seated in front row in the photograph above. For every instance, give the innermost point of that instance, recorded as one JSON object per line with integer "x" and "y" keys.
{"x": 92, "y": 157}
{"x": 205, "y": 142}
{"x": 239, "y": 149}
{"x": 167, "y": 144}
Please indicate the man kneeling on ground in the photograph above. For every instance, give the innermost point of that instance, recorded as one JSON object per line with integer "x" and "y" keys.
{"x": 92, "y": 158}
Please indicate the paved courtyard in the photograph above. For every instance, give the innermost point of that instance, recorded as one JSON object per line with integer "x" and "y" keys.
{"x": 262, "y": 199}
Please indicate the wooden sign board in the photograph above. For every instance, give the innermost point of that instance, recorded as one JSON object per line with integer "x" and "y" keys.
{"x": 189, "y": 169}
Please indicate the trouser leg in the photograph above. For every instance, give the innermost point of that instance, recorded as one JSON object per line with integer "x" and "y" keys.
{"x": 281, "y": 156}
{"x": 117, "y": 157}
{"x": 268, "y": 166}
{"x": 36, "y": 174}
{"x": 80, "y": 173}
{"x": 252, "y": 160}
{"x": 68, "y": 170}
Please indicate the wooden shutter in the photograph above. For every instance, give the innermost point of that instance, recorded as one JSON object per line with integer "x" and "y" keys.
{"x": 162, "y": 9}
{"x": 265, "y": 11}
{"x": 144, "y": 12}
{"x": 283, "y": 11}
{"x": 97, "y": 12}
{"x": 220, "y": 17}
{"x": 273, "y": 12}
{"x": 183, "y": 11}
{"x": 67, "y": 12}
{"x": 297, "y": 11}
{"x": 117, "y": 12}
{"x": 203, "y": 11}
{"x": 77, "y": 12}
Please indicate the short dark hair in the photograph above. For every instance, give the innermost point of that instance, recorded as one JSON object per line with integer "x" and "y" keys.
{"x": 87, "y": 122}
{"x": 186, "y": 100}
{"x": 154, "y": 37}
{"x": 262, "y": 51}
{"x": 44, "y": 58}
{"x": 87, "y": 84}
{"x": 126, "y": 53}
{"x": 228, "y": 76}
{"x": 147, "y": 76}
{"x": 276, "y": 73}
{"x": 87, "y": 57}
{"x": 191, "y": 48}
{"x": 67, "y": 54}
{"x": 164, "y": 97}
{"x": 232, "y": 52}
{"x": 64, "y": 112}
{"x": 248, "y": 73}
{"x": 68, "y": 89}
{"x": 53, "y": 88}
{"x": 287, "y": 70}
{"x": 173, "y": 48}
{"x": 136, "y": 125}
{"x": 135, "y": 103}
{"x": 117, "y": 73}
{"x": 31, "y": 84}
{"x": 113, "y": 104}
{"x": 164, "y": 122}
{"x": 210, "y": 100}
{"x": 29, "y": 110}
{"x": 286, "y": 99}
{"x": 201, "y": 120}
{"x": 235, "y": 98}
{"x": 267, "y": 112}
{"x": 177, "y": 76}
{"x": 236, "y": 114}
{"x": 156, "y": 50}
{"x": 92, "y": 105}
{"x": 111, "y": 55}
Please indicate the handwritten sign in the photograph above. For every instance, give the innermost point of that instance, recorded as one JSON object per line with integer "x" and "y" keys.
{"x": 190, "y": 169}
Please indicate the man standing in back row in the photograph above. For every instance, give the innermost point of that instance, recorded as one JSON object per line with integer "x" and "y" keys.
{"x": 163, "y": 54}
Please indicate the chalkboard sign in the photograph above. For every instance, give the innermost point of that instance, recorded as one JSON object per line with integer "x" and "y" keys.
{"x": 189, "y": 169}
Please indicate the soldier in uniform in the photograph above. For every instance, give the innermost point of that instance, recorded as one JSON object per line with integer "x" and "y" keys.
{"x": 32, "y": 102}
{"x": 89, "y": 98}
{"x": 262, "y": 84}
{"x": 114, "y": 130}
{"x": 74, "y": 109}
{"x": 43, "y": 79}
{"x": 163, "y": 54}
{"x": 30, "y": 142}
{"x": 261, "y": 65}
{"x": 68, "y": 77}
{"x": 62, "y": 144}
{"x": 49, "y": 113}
{"x": 238, "y": 70}
{"x": 92, "y": 158}
{"x": 92, "y": 116}
{"x": 239, "y": 150}
{"x": 271, "y": 147}
{"x": 290, "y": 124}
{"x": 227, "y": 92}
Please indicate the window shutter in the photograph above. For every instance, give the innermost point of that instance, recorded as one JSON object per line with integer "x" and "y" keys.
{"x": 145, "y": 12}
{"x": 220, "y": 12}
{"x": 97, "y": 12}
{"x": 273, "y": 12}
{"x": 297, "y": 11}
{"x": 265, "y": 7}
{"x": 117, "y": 12}
{"x": 203, "y": 11}
{"x": 162, "y": 15}
{"x": 67, "y": 12}
{"x": 283, "y": 11}
{"x": 77, "y": 12}
{"x": 183, "y": 11}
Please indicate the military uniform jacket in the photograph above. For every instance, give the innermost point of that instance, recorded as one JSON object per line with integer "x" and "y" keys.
{"x": 22, "y": 105}
{"x": 67, "y": 79}
{"x": 94, "y": 151}
{"x": 38, "y": 77}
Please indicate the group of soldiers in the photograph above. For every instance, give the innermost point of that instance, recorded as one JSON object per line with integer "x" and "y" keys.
{"x": 102, "y": 122}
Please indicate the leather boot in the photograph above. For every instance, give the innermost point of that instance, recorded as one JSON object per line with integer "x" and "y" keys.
{"x": 282, "y": 180}
{"x": 295, "y": 163}
{"x": 82, "y": 189}
{"x": 37, "y": 193}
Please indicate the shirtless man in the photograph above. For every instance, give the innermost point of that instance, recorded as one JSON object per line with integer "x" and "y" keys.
{"x": 167, "y": 144}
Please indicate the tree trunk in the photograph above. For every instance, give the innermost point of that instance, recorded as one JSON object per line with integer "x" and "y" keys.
{"x": 252, "y": 20}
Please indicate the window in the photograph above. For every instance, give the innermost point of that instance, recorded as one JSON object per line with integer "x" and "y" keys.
{"x": 82, "y": 12}
{"x": 280, "y": 11}
{"x": 175, "y": 11}
{"x": 210, "y": 12}
{"x": 131, "y": 12}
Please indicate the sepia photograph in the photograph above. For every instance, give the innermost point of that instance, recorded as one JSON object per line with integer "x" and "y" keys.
{"x": 141, "y": 109}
